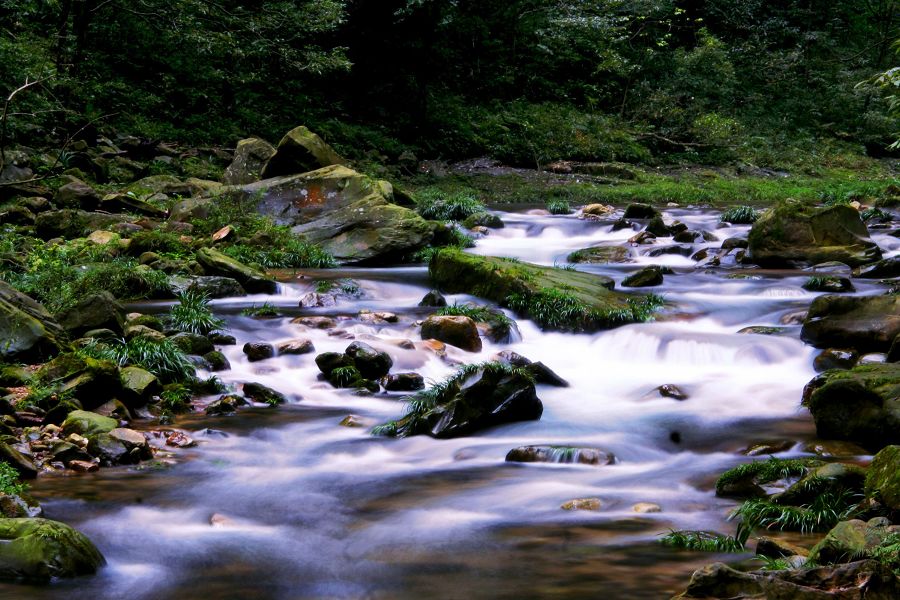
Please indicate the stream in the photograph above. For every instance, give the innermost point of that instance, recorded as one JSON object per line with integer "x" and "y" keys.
{"x": 305, "y": 508}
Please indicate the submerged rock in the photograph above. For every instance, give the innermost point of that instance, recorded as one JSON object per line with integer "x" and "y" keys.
{"x": 793, "y": 234}
{"x": 582, "y": 504}
{"x": 38, "y": 550}
{"x": 646, "y": 277}
{"x": 560, "y": 454}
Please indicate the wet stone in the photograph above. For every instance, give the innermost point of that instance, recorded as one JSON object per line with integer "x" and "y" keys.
{"x": 582, "y": 504}
{"x": 257, "y": 351}
{"x": 560, "y": 454}
{"x": 669, "y": 390}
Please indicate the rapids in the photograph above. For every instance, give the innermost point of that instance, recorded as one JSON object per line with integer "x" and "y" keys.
{"x": 308, "y": 509}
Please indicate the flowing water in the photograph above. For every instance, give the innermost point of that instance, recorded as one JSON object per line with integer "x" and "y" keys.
{"x": 305, "y": 508}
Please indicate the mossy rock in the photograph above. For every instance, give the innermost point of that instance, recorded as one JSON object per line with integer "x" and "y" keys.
{"x": 483, "y": 219}
{"x": 796, "y": 234}
{"x": 850, "y": 540}
{"x": 138, "y": 386}
{"x": 27, "y": 330}
{"x": 300, "y": 151}
{"x": 601, "y": 255}
{"x": 219, "y": 263}
{"x": 88, "y": 424}
{"x": 38, "y": 550}
{"x": 250, "y": 156}
{"x": 883, "y": 478}
{"x": 522, "y": 286}
{"x": 860, "y": 405}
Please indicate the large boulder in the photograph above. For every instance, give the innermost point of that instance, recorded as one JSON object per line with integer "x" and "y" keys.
{"x": 555, "y": 298}
{"x": 88, "y": 424}
{"x": 866, "y": 323}
{"x": 77, "y": 194}
{"x": 371, "y": 363}
{"x": 219, "y": 263}
{"x": 250, "y": 156}
{"x": 867, "y": 579}
{"x": 26, "y": 328}
{"x": 92, "y": 382}
{"x": 883, "y": 478}
{"x": 97, "y": 311}
{"x": 300, "y": 151}
{"x": 793, "y": 234}
{"x": 478, "y": 397}
{"x": 38, "y": 550}
{"x": 861, "y": 405}
{"x": 457, "y": 331}
{"x": 345, "y": 212}
{"x": 850, "y": 540}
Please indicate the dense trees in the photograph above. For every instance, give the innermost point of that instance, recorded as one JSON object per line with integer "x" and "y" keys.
{"x": 456, "y": 77}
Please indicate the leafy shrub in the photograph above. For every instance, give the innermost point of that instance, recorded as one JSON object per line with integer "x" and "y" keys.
{"x": 9, "y": 480}
{"x": 193, "y": 315}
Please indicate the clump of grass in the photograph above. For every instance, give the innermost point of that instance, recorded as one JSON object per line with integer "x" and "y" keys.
{"x": 162, "y": 358}
{"x": 765, "y": 471}
{"x": 419, "y": 404}
{"x": 875, "y": 213}
{"x": 706, "y": 541}
{"x": 455, "y": 239}
{"x": 559, "y": 207}
{"x": 9, "y": 481}
{"x": 774, "y": 564}
{"x": 821, "y": 514}
{"x": 448, "y": 206}
{"x": 553, "y": 308}
{"x": 290, "y": 253}
{"x": 193, "y": 315}
{"x": 740, "y": 215}
{"x": 263, "y": 311}
{"x": 176, "y": 398}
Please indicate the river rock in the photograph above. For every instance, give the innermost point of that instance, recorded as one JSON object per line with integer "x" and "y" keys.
{"x": 77, "y": 194}
{"x": 250, "y": 156}
{"x": 668, "y": 390}
{"x": 315, "y": 322}
{"x": 260, "y": 393}
{"x": 582, "y": 504}
{"x": 854, "y": 581}
{"x": 28, "y": 331}
{"x": 300, "y": 151}
{"x": 560, "y": 454}
{"x": 597, "y": 210}
{"x": 216, "y": 287}
{"x": 217, "y": 361}
{"x": 640, "y": 211}
{"x": 433, "y": 298}
{"x": 538, "y": 370}
{"x": 192, "y": 343}
{"x": 87, "y": 424}
{"x": 482, "y": 398}
{"x": 38, "y": 550}
{"x": 833, "y": 358}
{"x": 883, "y": 269}
{"x": 92, "y": 382}
{"x": 97, "y": 311}
{"x": 296, "y": 347}
{"x": 126, "y": 203}
{"x": 883, "y": 478}
{"x": 483, "y": 219}
{"x": 795, "y": 234}
{"x": 404, "y": 382}
{"x": 865, "y": 323}
{"x": 225, "y": 405}
{"x": 861, "y": 405}
{"x": 601, "y": 255}
{"x": 21, "y": 463}
{"x": 850, "y": 540}
{"x": 830, "y": 284}
{"x": 456, "y": 330}
{"x": 218, "y": 263}
{"x": 71, "y": 224}
{"x": 371, "y": 363}
{"x": 646, "y": 277}
{"x": 257, "y": 351}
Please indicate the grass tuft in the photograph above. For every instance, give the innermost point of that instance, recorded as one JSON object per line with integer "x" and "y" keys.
{"x": 193, "y": 315}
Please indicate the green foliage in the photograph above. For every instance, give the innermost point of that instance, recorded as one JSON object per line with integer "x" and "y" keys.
{"x": 162, "y": 358}
{"x": 193, "y": 315}
{"x": 765, "y": 471}
{"x": 9, "y": 481}
{"x": 559, "y": 207}
{"x": 499, "y": 322}
{"x": 175, "y": 398}
{"x": 822, "y": 514}
{"x": 888, "y": 552}
{"x": 553, "y": 308}
{"x": 436, "y": 205}
{"x": 774, "y": 564}
{"x": 705, "y": 541}
{"x": 740, "y": 215}
{"x": 263, "y": 311}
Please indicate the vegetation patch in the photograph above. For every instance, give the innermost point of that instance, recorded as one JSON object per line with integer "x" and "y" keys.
{"x": 162, "y": 358}
{"x": 193, "y": 315}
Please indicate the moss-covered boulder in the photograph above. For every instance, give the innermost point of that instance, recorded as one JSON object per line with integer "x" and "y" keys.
{"x": 476, "y": 397}
{"x": 38, "y": 550}
{"x": 646, "y": 277}
{"x": 343, "y": 211}
{"x": 866, "y": 323}
{"x": 88, "y": 424}
{"x": 97, "y": 311}
{"x": 138, "y": 386}
{"x": 601, "y": 255}
{"x": 883, "y": 478}
{"x": 250, "y": 156}
{"x": 300, "y": 151}
{"x": 793, "y": 233}
{"x": 27, "y": 330}
{"x": 72, "y": 223}
{"x": 849, "y": 540}
{"x": 219, "y": 263}
{"x": 554, "y": 298}
{"x": 91, "y": 381}
{"x": 861, "y": 405}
